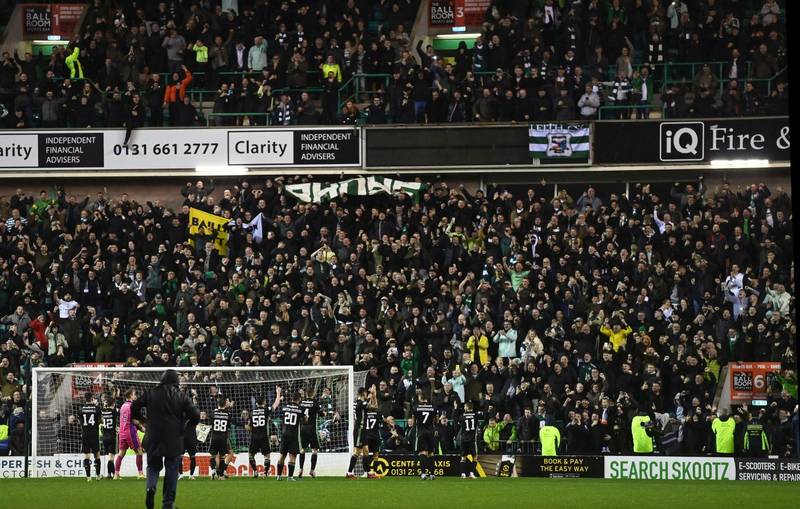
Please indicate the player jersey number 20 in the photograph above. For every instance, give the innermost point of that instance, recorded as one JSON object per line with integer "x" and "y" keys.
{"x": 290, "y": 419}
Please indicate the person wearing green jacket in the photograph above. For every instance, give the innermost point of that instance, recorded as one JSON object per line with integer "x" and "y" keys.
{"x": 724, "y": 428}
{"x": 550, "y": 437}
{"x": 491, "y": 435}
{"x": 330, "y": 66}
{"x": 73, "y": 64}
{"x": 104, "y": 343}
{"x": 641, "y": 431}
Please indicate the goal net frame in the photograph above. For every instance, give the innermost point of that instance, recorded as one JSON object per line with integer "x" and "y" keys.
{"x": 37, "y": 373}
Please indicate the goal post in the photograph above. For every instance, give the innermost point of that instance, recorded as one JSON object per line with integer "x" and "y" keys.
{"x": 57, "y": 394}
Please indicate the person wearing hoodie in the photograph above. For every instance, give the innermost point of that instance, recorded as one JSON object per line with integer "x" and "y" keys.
{"x": 170, "y": 413}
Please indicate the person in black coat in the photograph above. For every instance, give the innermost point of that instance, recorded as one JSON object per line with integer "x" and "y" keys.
{"x": 186, "y": 113}
{"x": 170, "y": 413}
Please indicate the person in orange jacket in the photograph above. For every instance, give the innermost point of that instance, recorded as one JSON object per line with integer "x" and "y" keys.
{"x": 175, "y": 92}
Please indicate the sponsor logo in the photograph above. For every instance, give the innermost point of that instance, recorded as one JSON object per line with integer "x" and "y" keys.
{"x": 743, "y": 381}
{"x": 685, "y": 469}
{"x": 442, "y": 12}
{"x": 682, "y": 141}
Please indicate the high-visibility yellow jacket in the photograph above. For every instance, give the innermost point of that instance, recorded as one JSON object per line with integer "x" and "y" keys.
{"x": 73, "y": 64}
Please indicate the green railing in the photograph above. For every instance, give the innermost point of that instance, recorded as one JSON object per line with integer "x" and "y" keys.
{"x": 624, "y": 112}
{"x": 210, "y": 116}
{"x": 723, "y": 83}
{"x": 353, "y": 88}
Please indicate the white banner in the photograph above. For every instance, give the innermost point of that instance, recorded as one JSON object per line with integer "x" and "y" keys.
{"x": 669, "y": 468}
{"x": 71, "y": 465}
{"x": 180, "y": 149}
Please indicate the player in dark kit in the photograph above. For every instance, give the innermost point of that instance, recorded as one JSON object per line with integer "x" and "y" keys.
{"x": 309, "y": 435}
{"x": 189, "y": 444}
{"x": 371, "y": 441}
{"x": 259, "y": 435}
{"x": 469, "y": 443}
{"x": 220, "y": 427}
{"x": 293, "y": 419}
{"x": 425, "y": 421}
{"x": 359, "y": 437}
{"x": 90, "y": 435}
{"x": 108, "y": 422}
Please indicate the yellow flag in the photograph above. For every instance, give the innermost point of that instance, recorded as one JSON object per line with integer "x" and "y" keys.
{"x": 212, "y": 225}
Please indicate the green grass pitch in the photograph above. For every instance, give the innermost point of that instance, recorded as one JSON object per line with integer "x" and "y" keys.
{"x": 329, "y": 493}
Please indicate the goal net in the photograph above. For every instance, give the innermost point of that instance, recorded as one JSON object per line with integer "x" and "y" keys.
{"x": 58, "y": 394}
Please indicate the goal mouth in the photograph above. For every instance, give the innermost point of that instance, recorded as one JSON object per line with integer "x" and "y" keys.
{"x": 57, "y": 394}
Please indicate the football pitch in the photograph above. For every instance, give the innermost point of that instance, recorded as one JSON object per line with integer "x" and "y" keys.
{"x": 331, "y": 493}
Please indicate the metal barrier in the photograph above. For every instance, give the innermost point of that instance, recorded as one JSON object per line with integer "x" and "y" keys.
{"x": 625, "y": 112}
{"x": 209, "y": 116}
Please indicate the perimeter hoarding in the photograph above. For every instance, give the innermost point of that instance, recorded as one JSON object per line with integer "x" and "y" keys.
{"x": 561, "y": 466}
{"x": 752, "y": 469}
{"x": 669, "y": 468}
{"x": 691, "y": 141}
{"x": 176, "y": 149}
{"x": 408, "y": 465}
{"x": 71, "y": 465}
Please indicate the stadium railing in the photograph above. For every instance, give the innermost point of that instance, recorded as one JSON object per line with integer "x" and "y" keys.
{"x": 211, "y": 117}
{"x": 628, "y": 111}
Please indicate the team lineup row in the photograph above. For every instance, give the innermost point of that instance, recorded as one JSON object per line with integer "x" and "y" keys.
{"x": 116, "y": 427}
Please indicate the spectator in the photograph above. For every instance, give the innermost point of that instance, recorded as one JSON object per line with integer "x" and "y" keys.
{"x": 175, "y": 45}
{"x": 486, "y": 107}
{"x": 175, "y": 92}
{"x": 350, "y": 114}
{"x": 307, "y": 113}
{"x": 376, "y": 112}
{"x": 257, "y": 55}
{"x": 589, "y": 103}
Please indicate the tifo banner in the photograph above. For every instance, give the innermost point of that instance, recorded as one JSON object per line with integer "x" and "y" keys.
{"x": 408, "y": 465}
{"x": 669, "y": 468}
{"x": 559, "y": 142}
{"x": 751, "y": 469}
{"x": 208, "y": 224}
{"x": 751, "y": 380}
{"x": 195, "y": 149}
{"x": 71, "y": 465}
{"x": 41, "y": 20}
{"x": 677, "y": 141}
{"x": 362, "y": 186}
{"x": 560, "y": 466}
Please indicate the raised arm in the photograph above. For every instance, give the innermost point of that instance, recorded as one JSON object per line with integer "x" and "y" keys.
{"x": 277, "y": 403}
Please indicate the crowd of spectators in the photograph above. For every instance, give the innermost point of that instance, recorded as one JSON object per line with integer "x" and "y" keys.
{"x": 540, "y": 60}
{"x": 580, "y": 310}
